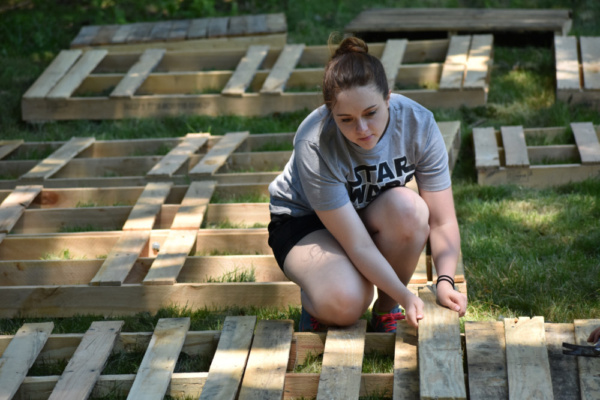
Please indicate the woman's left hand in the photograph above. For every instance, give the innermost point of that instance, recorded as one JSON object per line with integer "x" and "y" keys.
{"x": 451, "y": 298}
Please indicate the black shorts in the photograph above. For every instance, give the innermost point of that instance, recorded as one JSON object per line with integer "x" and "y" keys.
{"x": 286, "y": 231}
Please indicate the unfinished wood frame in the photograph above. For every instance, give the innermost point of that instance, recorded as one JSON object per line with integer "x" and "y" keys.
{"x": 503, "y": 157}
{"x": 222, "y": 82}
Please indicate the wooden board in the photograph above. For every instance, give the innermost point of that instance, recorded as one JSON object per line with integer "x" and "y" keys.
{"x": 439, "y": 344}
{"x": 84, "y": 368}
{"x": 154, "y": 374}
{"x": 73, "y": 78}
{"x": 567, "y": 63}
{"x": 486, "y": 358}
{"x": 138, "y": 73}
{"x": 486, "y": 148}
{"x": 563, "y": 368}
{"x": 515, "y": 148}
{"x": 57, "y": 160}
{"x": 13, "y": 207}
{"x": 264, "y": 377}
{"x": 175, "y": 158}
{"x": 8, "y": 146}
{"x": 217, "y": 156}
{"x": 406, "y": 367}
{"x": 283, "y": 68}
{"x": 589, "y": 380}
{"x": 52, "y": 74}
{"x": 478, "y": 65}
{"x": 453, "y": 71}
{"x": 590, "y": 62}
{"x": 245, "y": 71}
{"x": 587, "y": 142}
{"x": 527, "y": 361}
{"x": 144, "y": 212}
{"x": 342, "y": 362}
{"x": 171, "y": 257}
{"x": 20, "y": 355}
{"x": 194, "y": 205}
{"x": 228, "y": 364}
{"x": 391, "y": 59}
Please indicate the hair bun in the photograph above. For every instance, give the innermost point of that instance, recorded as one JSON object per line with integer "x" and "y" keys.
{"x": 351, "y": 45}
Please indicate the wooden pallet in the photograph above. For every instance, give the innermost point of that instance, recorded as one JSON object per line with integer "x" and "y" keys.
{"x": 143, "y": 251}
{"x": 258, "y": 80}
{"x": 199, "y": 33}
{"x": 578, "y": 70}
{"x": 503, "y": 157}
{"x": 394, "y": 21}
{"x": 256, "y": 360}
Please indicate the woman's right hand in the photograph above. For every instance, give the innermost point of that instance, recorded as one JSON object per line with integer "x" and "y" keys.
{"x": 413, "y": 309}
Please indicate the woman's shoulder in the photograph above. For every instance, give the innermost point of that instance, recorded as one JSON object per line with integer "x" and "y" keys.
{"x": 311, "y": 128}
{"x": 404, "y": 106}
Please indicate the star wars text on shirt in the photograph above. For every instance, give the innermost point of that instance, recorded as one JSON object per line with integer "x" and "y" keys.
{"x": 372, "y": 179}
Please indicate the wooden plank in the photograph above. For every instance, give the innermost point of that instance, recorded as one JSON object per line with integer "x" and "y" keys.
{"x": 281, "y": 71}
{"x": 276, "y": 23}
{"x": 121, "y": 259}
{"x": 238, "y": 25}
{"x": 198, "y": 28}
{"x": 264, "y": 377}
{"x": 138, "y": 73}
{"x": 194, "y": 205}
{"x": 439, "y": 344}
{"x": 589, "y": 379}
{"x": 563, "y": 368}
{"x": 218, "y": 27}
{"x": 72, "y": 79}
{"x": 590, "y": 62}
{"x": 160, "y": 31}
{"x": 515, "y": 148}
{"x": 8, "y": 146}
{"x": 169, "y": 262}
{"x": 2, "y": 236}
{"x": 57, "y": 69}
{"x": 85, "y": 366}
{"x": 406, "y": 368}
{"x": 140, "y": 32}
{"x": 486, "y": 148}
{"x": 105, "y": 35}
{"x": 179, "y": 29}
{"x": 155, "y": 371}
{"x": 587, "y": 142}
{"x": 122, "y": 34}
{"x": 13, "y": 206}
{"x": 342, "y": 362}
{"x": 20, "y": 355}
{"x": 453, "y": 70}
{"x": 217, "y": 156}
{"x": 175, "y": 158}
{"x": 486, "y": 358}
{"x": 478, "y": 64}
{"x": 391, "y": 59}
{"x": 148, "y": 205}
{"x": 245, "y": 70}
{"x": 57, "y": 160}
{"x": 85, "y": 36}
{"x": 229, "y": 362}
{"x": 527, "y": 363}
{"x": 257, "y": 25}
{"x": 567, "y": 63}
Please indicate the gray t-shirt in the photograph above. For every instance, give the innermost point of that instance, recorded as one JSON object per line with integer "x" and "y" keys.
{"x": 326, "y": 170}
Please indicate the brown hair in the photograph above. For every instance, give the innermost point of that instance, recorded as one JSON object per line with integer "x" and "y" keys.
{"x": 351, "y": 65}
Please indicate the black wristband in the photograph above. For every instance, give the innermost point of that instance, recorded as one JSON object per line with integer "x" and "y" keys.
{"x": 446, "y": 278}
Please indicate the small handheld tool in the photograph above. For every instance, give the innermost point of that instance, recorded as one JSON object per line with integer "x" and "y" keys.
{"x": 582, "y": 351}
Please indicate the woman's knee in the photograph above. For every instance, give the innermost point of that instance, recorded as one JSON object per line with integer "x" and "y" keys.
{"x": 399, "y": 211}
{"x": 343, "y": 305}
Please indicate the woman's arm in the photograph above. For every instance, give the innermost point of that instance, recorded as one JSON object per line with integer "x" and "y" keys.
{"x": 348, "y": 229}
{"x": 444, "y": 238}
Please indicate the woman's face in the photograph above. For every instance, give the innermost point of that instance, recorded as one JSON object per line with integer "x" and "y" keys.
{"x": 362, "y": 115}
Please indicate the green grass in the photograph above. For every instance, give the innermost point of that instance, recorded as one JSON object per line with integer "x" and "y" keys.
{"x": 234, "y": 276}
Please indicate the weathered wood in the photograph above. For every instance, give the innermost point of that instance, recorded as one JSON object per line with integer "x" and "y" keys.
{"x": 527, "y": 361}
{"x": 73, "y": 78}
{"x": 567, "y": 63}
{"x": 587, "y": 142}
{"x": 406, "y": 368}
{"x": 104, "y": 35}
{"x": 264, "y": 377}
{"x": 198, "y": 28}
{"x": 15, "y": 204}
{"x": 122, "y": 33}
{"x": 342, "y": 362}
{"x": 171, "y": 257}
{"x": 229, "y": 362}
{"x": 52, "y": 74}
{"x": 193, "y": 206}
{"x": 486, "y": 148}
{"x": 120, "y": 260}
{"x": 140, "y": 32}
{"x": 563, "y": 368}
{"x": 281, "y": 71}
{"x": 155, "y": 371}
{"x": 478, "y": 65}
{"x": 589, "y": 379}
{"x": 391, "y": 59}
{"x": 160, "y": 31}
{"x": 453, "y": 71}
{"x": 218, "y": 27}
{"x": 57, "y": 160}
{"x": 8, "y": 146}
{"x": 138, "y": 73}
{"x": 440, "y": 354}
{"x": 85, "y": 36}
{"x": 515, "y": 148}
{"x": 144, "y": 212}
{"x": 245, "y": 71}
{"x": 20, "y": 355}
{"x": 486, "y": 358}
{"x": 85, "y": 366}
{"x": 170, "y": 163}
{"x": 217, "y": 156}
{"x": 179, "y": 29}
{"x": 590, "y": 62}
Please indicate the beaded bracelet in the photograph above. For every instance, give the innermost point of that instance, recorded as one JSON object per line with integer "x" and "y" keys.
{"x": 446, "y": 278}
